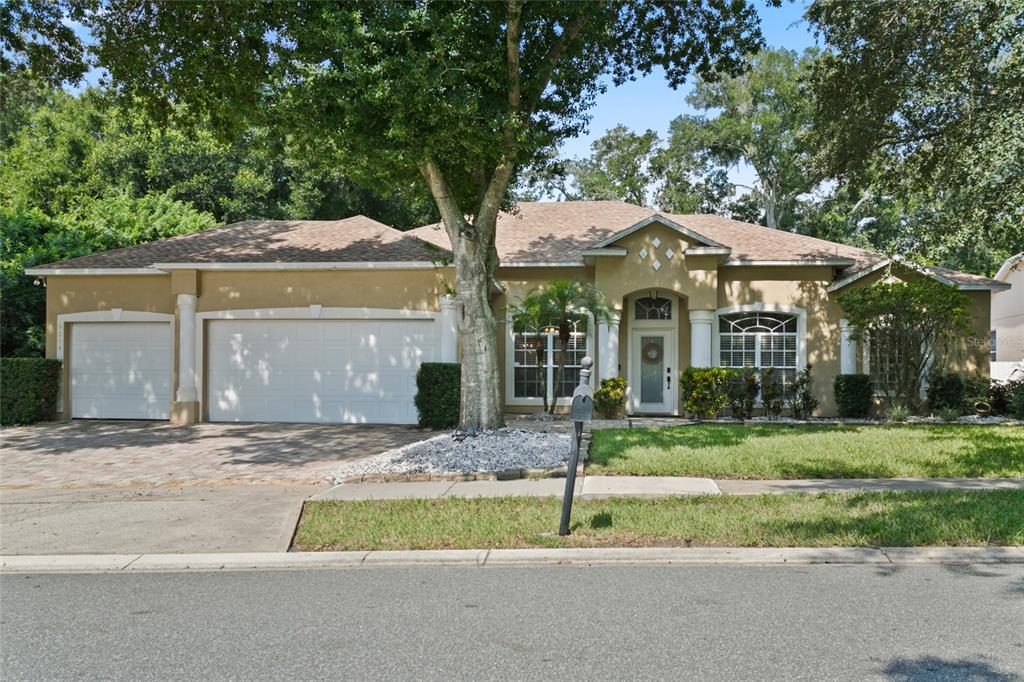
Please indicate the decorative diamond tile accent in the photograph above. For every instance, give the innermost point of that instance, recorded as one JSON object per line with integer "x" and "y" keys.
{"x": 643, "y": 254}
{"x": 656, "y": 242}
{"x": 670, "y": 254}
{"x": 656, "y": 264}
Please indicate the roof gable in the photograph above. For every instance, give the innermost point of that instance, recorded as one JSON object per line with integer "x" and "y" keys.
{"x": 661, "y": 220}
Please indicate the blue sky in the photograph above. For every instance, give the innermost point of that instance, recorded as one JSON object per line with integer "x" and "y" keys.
{"x": 650, "y": 103}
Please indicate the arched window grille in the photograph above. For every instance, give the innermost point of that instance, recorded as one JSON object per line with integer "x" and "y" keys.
{"x": 653, "y": 308}
{"x": 760, "y": 340}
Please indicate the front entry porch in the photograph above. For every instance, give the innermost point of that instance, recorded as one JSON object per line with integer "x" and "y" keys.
{"x": 653, "y": 339}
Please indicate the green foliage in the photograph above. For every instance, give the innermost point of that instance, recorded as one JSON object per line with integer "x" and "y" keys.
{"x": 28, "y": 389}
{"x": 914, "y": 320}
{"x": 1007, "y": 398}
{"x": 29, "y": 237}
{"x": 924, "y": 101}
{"x": 742, "y": 391}
{"x": 761, "y": 119}
{"x": 771, "y": 393}
{"x": 610, "y": 398}
{"x": 566, "y": 305}
{"x": 949, "y": 414}
{"x": 977, "y": 389}
{"x": 801, "y": 400}
{"x": 946, "y": 392}
{"x": 437, "y": 394}
{"x": 898, "y": 413}
{"x": 618, "y": 168}
{"x": 704, "y": 390}
{"x": 854, "y": 395}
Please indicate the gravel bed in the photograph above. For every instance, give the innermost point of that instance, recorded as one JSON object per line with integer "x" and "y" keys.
{"x": 456, "y": 452}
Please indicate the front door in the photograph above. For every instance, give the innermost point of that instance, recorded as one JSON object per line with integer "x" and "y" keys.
{"x": 652, "y": 383}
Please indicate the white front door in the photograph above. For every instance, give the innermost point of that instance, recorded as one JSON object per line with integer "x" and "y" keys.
{"x": 333, "y": 371}
{"x": 653, "y": 371}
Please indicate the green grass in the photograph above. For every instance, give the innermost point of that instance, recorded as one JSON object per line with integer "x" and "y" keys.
{"x": 860, "y": 519}
{"x": 785, "y": 452}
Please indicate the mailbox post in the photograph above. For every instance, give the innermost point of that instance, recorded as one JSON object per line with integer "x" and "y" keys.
{"x": 582, "y": 412}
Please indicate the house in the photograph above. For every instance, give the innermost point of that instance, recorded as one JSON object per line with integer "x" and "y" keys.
{"x": 327, "y": 321}
{"x": 1007, "y": 349}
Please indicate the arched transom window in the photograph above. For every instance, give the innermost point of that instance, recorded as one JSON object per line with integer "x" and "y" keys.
{"x": 759, "y": 339}
{"x": 653, "y": 308}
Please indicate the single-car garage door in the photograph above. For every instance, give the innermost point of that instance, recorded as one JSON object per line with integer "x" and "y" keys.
{"x": 121, "y": 370}
{"x": 334, "y": 371}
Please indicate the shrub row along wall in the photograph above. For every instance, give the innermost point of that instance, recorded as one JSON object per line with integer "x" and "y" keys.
{"x": 28, "y": 389}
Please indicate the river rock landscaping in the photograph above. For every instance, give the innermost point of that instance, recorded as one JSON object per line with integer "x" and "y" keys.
{"x": 461, "y": 453}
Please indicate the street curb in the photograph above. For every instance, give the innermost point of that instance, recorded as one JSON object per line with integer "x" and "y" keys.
{"x": 140, "y": 563}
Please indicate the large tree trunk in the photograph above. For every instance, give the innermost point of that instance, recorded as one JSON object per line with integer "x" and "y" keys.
{"x": 481, "y": 406}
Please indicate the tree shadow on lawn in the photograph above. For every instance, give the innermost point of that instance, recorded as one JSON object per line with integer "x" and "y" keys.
{"x": 990, "y": 452}
{"x": 613, "y": 444}
{"x": 948, "y": 518}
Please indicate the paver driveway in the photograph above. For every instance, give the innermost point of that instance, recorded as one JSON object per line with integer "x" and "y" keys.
{"x": 126, "y": 453}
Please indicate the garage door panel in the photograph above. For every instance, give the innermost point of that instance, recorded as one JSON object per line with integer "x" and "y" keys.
{"x": 348, "y": 371}
{"x": 120, "y": 370}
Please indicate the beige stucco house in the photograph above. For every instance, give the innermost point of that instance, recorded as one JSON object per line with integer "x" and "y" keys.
{"x": 1008, "y": 321}
{"x": 327, "y": 321}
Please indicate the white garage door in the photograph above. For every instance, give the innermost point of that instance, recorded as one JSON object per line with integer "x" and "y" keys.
{"x": 335, "y": 371}
{"x": 121, "y": 370}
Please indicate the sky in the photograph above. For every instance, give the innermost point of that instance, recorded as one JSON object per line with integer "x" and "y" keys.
{"x": 650, "y": 104}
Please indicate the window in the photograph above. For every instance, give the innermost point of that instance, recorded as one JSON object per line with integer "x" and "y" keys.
{"x": 992, "y": 339}
{"x": 653, "y": 308}
{"x": 760, "y": 340}
{"x": 528, "y": 376}
{"x": 882, "y": 368}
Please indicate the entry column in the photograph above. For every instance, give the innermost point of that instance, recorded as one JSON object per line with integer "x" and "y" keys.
{"x": 608, "y": 348}
{"x": 701, "y": 322}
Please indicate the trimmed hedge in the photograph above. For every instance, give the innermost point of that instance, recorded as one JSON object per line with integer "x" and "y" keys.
{"x": 854, "y": 395}
{"x": 438, "y": 387}
{"x": 28, "y": 389}
{"x": 946, "y": 392}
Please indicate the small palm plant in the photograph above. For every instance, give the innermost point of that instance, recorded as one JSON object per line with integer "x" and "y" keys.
{"x": 563, "y": 305}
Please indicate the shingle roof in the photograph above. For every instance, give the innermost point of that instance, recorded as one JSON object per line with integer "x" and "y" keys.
{"x": 356, "y": 239}
{"x": 561, "y": 231}
{"x": 534, "y": 232}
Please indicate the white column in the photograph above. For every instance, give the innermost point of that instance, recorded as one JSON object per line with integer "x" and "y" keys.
{"x": 847, "y": 348}
{"x": 608, "y": 349}
{"x": 449, "y": 326}
{"x": 187, "y": 349}
{"x": 701, "y": 322}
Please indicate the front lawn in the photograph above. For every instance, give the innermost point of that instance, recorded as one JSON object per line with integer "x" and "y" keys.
{"x": 807, "y": 451}
{"x": 860, "y": 519}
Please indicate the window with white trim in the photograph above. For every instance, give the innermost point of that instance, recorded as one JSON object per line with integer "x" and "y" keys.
{"x": 760, "y": 340}
{"x": 528, "y": 375}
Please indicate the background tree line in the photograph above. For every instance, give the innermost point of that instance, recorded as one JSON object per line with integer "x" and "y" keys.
{"x": 818, "y": 171}
{"x": 81, "y": 173}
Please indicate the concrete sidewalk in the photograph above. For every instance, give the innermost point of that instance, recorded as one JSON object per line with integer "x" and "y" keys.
{"x": 592, "y": 487}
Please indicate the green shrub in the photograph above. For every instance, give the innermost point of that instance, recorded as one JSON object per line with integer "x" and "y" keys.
{"x": 898, "y": 413}
{"x": 946, "y": 392}
{"x": 438, "y": 393}
{"x": 949, "y": 414}
{"x": 771, "y": 393}
{"x": 28, "y": 389}
{"x": 976, "y": 390}
{"x": 854, "y": 395}
{"x": 742, "y": 391}
{"x": 610, "y": 398}
{"x": 704, "y": 390}
{"x": 1004, "y": 395}
{"x": 801, "y": 401}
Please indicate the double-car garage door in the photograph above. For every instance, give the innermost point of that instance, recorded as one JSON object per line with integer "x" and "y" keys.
{"x": 319, "y": 371}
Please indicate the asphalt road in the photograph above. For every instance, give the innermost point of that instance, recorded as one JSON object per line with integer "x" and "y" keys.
{"x": 811, "y": 622}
